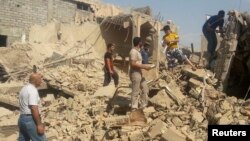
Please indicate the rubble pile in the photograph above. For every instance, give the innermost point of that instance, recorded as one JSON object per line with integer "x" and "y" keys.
{"x": 76, "y": 107}
{"x": 85, "y": 117}
{"x": 78, "y": 78}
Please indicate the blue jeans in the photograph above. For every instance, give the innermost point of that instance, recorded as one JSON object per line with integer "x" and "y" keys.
{"x": 28, "y": 130}
{"x": 211, "y": 43}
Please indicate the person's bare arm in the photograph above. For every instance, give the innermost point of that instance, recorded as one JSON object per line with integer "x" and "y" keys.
{"x": 140, "y": 66}
{"x": 108, "y": 61}
{"x": 37, "y": 119}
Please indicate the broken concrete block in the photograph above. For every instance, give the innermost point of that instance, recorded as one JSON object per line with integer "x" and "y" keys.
{"x": 172, "y": 134}
{"x": 136, "y": 136}
{"x": 124, "y": 138}
{"x": 70, "y": 92}
{"x": 195, "y": 59}
{"x": 197, "y": 116}
{"x": 9, "y": 100}
{"x": 194, "y": 83}
{"x": 149, "y": 110}
{"x": 199, "y": 73}
{"x": 176, "y": 90}
{"x": 226, "y": 119}
{"x": 158, "y": 127}
{"x": 4, "y": 112}
{"x": 10, "y": 87}
{"x": 107, "y": 91}
{"x": 49, "y": 97}
{"x": 116, "y": 121}
{"x": 225, "y": 106}
{"x": 177, "y": 121}
{"x": 195, "y": 93}
{"x": 162, "y": 99}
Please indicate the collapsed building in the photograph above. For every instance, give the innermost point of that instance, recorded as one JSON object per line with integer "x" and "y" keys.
{"x": 75, "y": 105}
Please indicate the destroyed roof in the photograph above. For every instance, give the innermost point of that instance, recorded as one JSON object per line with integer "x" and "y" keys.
{"x": 145, "y": 10}
{"x": 119, "y": 19}
{"x": 88, "y": 1}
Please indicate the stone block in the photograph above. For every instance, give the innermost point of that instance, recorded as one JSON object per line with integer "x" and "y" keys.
{"x": 157, "y": 128}
{"x": 172, "y": 134}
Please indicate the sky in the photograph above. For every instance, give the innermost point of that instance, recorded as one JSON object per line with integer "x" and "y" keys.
{"x": 188, "y": 15}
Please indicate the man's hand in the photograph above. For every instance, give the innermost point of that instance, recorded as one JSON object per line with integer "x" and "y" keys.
{"x": 40, "y": 129}
{"x": 147, "y": 67}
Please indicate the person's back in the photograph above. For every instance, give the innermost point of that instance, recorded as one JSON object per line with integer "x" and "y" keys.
{"x": 212, "y": 23}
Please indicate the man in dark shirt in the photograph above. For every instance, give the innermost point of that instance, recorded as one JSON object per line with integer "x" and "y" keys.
{"x": 109, "y": 68}
{"x": 209, "y": 31}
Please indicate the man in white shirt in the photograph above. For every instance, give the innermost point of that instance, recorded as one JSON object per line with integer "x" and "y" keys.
{"x": 138, "y": 81}
{"x": 30, "y": 124}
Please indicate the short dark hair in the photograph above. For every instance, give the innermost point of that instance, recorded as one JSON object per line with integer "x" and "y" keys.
{"x": 110, "y": 45}
{"x": 165, "y": 28}
{"x": 222, "y": 13}
{"x": 136, "y": 41}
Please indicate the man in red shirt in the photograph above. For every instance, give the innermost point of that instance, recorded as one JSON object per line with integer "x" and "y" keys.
{"x": 109, "y": 68}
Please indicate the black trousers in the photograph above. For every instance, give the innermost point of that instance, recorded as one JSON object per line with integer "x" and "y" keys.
{"x": 107, "y": 78}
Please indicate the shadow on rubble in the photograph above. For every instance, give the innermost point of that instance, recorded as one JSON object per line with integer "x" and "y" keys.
{"x": 238, "y": 86}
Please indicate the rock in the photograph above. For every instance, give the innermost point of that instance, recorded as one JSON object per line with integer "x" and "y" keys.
{"x": 226, "y": 119}
{"x": 107, "y": 91}
{"x": 49, "y": 97}
{"x": 116, "y": 121}
{"x": 195, "y": 59}
{"x": 172, "y": 134}
{"x": 162, "y": 99}
{"x": 4, "y": 112}
{"x": 199, "y": 73}
{"x": 158, "y": 127}
{"x": 14, "y": 87}
{"x": 149, "y": 110}
{"x": 177, "y": 121}
{"x": 195, "y": 93}
{"x": 194, "y": 83}
{"x": 242, "y": 122}
{"x": 225, "y": 106}
{"x": 136, "y": 136}
{"x": 197, "y": 116}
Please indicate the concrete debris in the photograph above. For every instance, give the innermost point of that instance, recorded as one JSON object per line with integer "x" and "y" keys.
{"x": 158, "y": 127}
{"x": 172, "y": 134}
{"x": 162, "y": 99}
{"x": 75, "y": 104}
{"x": 197, "y": 116}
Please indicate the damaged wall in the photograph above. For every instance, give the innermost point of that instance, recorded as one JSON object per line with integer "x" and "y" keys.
{"x": 17, "y": 16}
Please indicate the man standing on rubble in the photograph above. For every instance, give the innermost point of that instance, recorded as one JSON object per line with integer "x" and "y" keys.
{"x": 209, "y": 31}
{"x": 173, "y": 53}
{"x": 109, "y": 68}
{"x": 138, "y": 81}
{"x": 30, "y": 124}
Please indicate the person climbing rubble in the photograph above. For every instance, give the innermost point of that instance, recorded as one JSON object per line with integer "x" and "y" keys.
{"x": 209, "y": 30}
{"x": 30, "y": 123}
{"x": 109, "y": 68}
{"x": 173, "y": 53}
{"x": 138, "y": 81}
